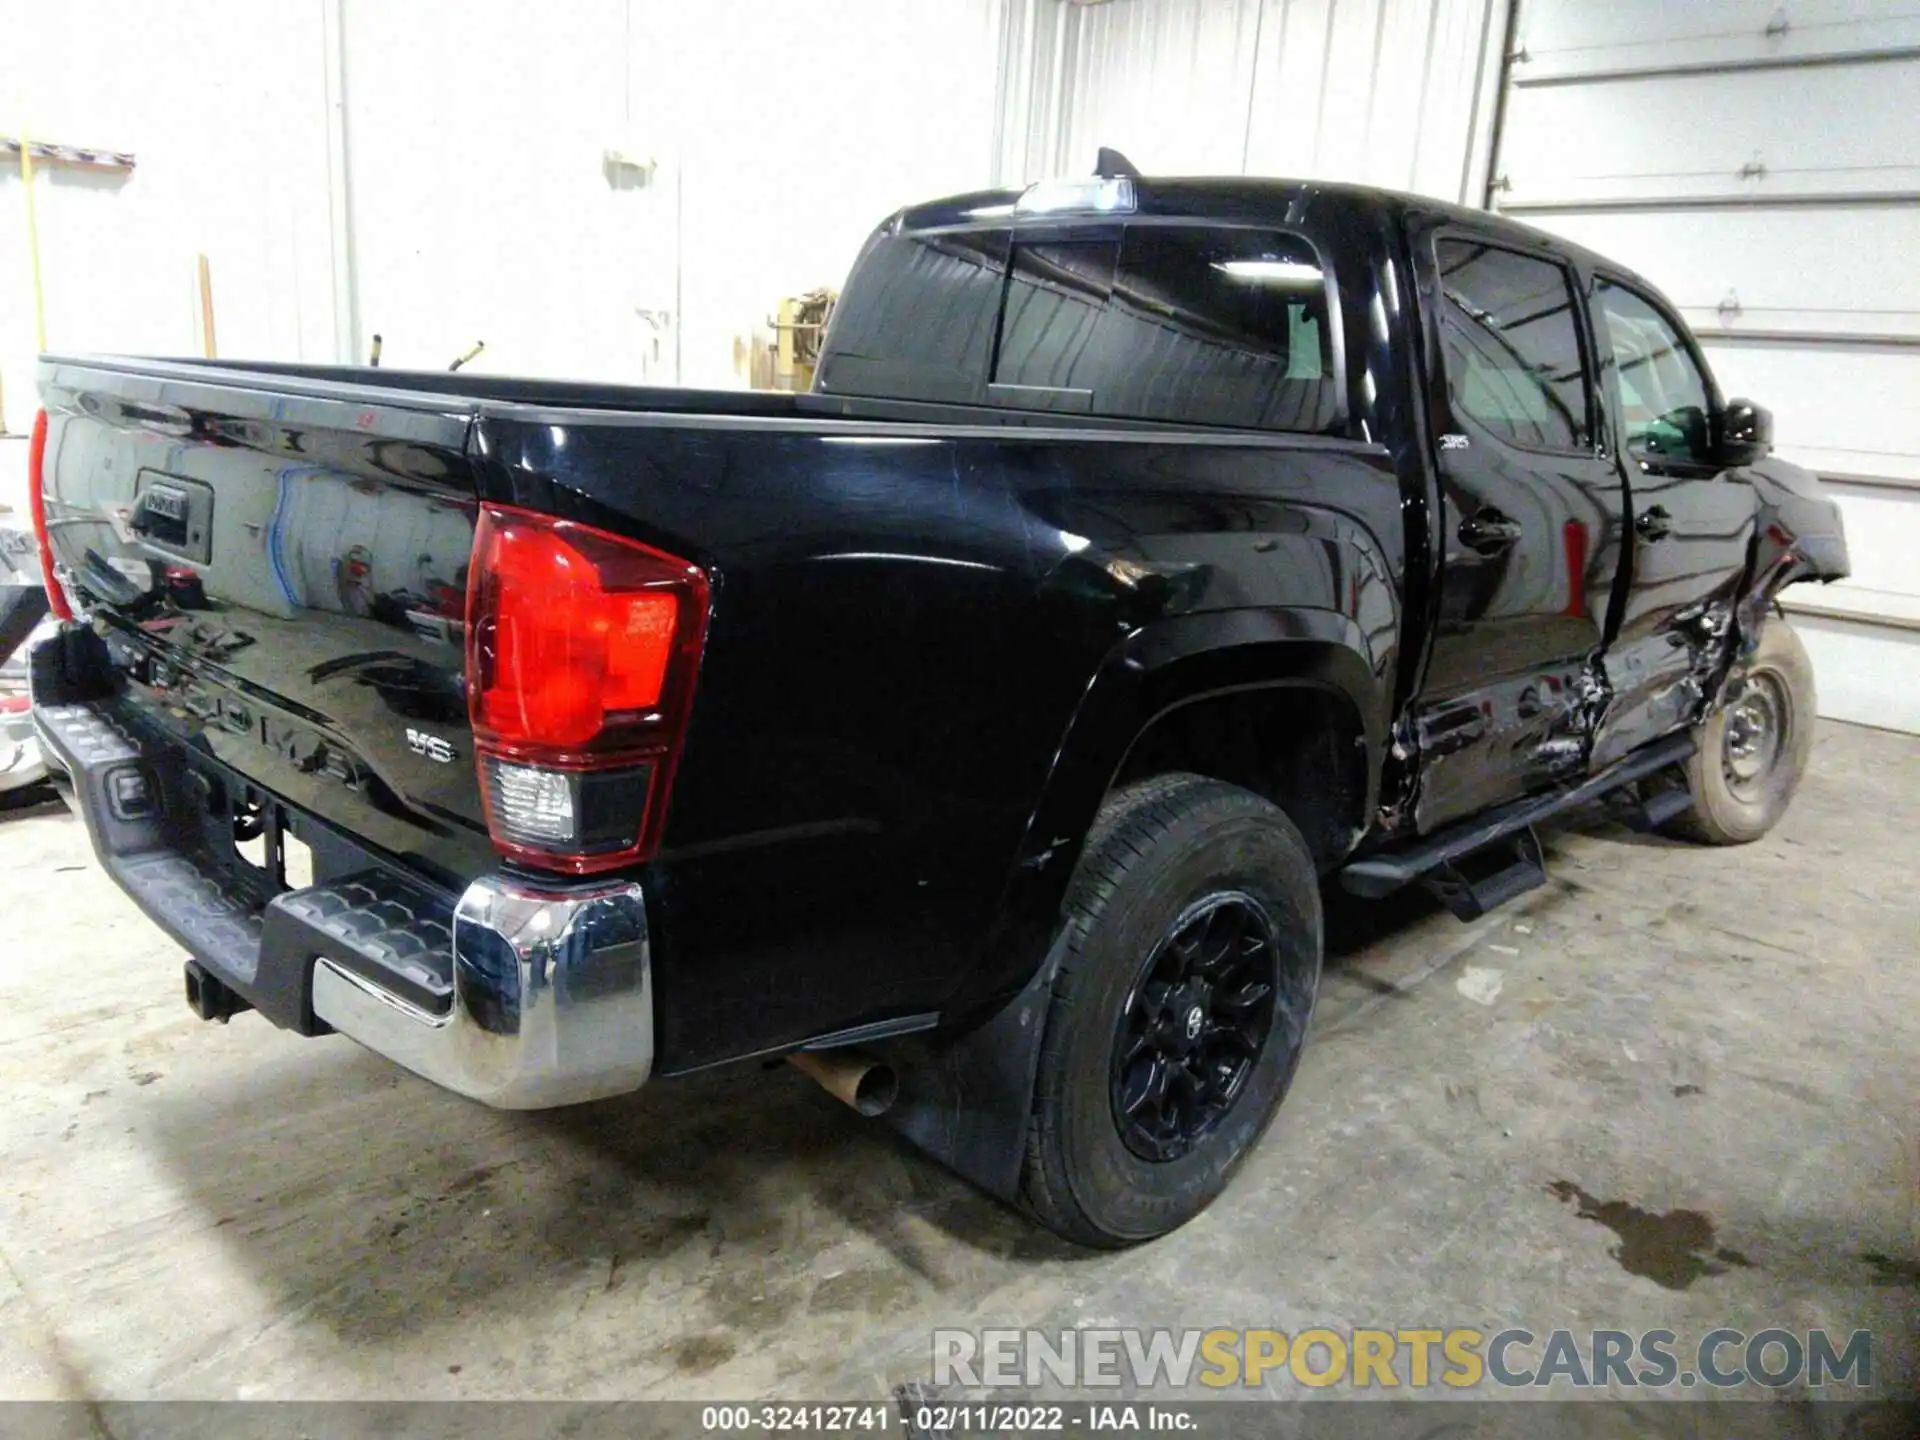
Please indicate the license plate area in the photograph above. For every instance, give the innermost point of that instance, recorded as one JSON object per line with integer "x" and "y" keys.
{"x": 252, "y": 835}
{"x": 273, "y": 849}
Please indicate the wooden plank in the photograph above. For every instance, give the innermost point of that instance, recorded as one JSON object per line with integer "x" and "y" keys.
{"x": 208, "y": 347}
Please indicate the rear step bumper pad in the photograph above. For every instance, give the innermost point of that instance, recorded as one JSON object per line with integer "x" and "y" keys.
{"x": 517, "y": 995}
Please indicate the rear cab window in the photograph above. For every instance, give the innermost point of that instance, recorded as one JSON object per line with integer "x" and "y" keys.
{"x": 1203, "y": 325}
{"x": 919, "y": 323}
{"x": 1059, "y": 289}
{"x": 1175, "y": 322}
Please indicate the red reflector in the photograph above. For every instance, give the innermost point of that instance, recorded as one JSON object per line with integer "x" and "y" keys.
{"x": 582, "y": 651}
{"x": 1573, "y": 536}
{"x": 15, "y": 704}
{"x": 37, "y": 503}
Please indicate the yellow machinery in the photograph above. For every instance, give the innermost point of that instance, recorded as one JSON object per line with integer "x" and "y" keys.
{"x": 798, "y": 329}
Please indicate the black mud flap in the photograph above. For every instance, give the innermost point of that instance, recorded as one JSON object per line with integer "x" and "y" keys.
{"x": 70, "y": 667}
{"x": 21, "y": 608}
{"x": 967, "y": 1099}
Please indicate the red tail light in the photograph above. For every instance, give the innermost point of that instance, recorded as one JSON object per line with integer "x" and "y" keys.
{"x": 37, "y": 503}
{"x": 582, "y": 652}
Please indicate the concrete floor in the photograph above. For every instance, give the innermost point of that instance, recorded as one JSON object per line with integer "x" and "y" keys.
{"x": 1675, "y": 1088}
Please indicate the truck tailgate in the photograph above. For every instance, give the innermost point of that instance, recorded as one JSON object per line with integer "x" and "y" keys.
{"x": 280, "y": 572}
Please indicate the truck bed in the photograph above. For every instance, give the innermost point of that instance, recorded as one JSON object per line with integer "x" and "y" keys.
{"x": 468, "y": 391}
{"x": 909, "y": 603}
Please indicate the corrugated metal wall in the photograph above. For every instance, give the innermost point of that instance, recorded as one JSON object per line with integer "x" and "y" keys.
{"x": 1386, "y": 92}
{"x": 1760, "y": 161}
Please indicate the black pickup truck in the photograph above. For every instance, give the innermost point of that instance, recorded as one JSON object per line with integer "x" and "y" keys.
{"x": 978, "y": 730}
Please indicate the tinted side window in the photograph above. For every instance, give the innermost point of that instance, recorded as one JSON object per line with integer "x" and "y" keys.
{"x": 1664, "y": 399}
{"x": 1059, "y": 289}
{"x": 1512, "y": 346}
{"x": 917, "y": 320}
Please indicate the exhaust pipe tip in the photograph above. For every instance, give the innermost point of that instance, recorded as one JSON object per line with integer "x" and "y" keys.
{"x": 877, "y": 1091}
{"x": 858, "y": 1081}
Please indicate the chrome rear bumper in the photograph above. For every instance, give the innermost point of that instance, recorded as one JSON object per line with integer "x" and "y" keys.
{"x": 552, "y": 1000}
{"x": 519, "y": 995}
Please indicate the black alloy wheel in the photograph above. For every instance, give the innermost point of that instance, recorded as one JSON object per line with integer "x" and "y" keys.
{"x": 1194, "y": 1026}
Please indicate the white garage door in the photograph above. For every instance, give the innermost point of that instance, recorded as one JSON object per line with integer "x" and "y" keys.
{"x": 1761, "y": 163}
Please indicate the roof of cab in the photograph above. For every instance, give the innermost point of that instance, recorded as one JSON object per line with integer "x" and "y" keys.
{"x": 1239, "y": 197}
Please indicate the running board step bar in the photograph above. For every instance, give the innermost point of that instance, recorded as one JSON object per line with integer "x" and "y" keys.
{"x": 1647, "y": 813}
{"x": 1434, "y": 856}
{"x": 1489, "y": 877}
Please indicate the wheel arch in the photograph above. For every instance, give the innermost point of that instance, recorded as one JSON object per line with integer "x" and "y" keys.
{"x": 1160, "y": 673}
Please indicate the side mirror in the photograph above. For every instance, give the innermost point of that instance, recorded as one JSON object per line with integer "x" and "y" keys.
{"x": 1746, "y": 433}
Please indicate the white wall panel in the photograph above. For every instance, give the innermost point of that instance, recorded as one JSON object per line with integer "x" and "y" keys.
{"x": 1880, "y": 524}
{"x": 1868, "y": 674}
{"x": 474, "y": 136}
{"x": 1833, "y": 402}
{"x": 784, "y": 133}
{"x": 1384, "y": 92}
{"x": 1741, "y": 134}
{"x": 799, "y": 127}
{"x": 1577, "y": 38}
{"x": 221, "y": 105}
{"x": 474, "y": 133}
{"x": 1038, "y": 40}
{"x": 1165, "y": 82}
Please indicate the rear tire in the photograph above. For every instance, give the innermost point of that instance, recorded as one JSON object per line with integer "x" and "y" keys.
{"x": 1179, "y": 1011}
{"x": 1753, "y": 745}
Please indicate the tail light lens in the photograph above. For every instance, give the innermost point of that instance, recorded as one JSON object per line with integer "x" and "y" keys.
{"x": 37, "y": 503}
{"x": 582, "y": 652}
